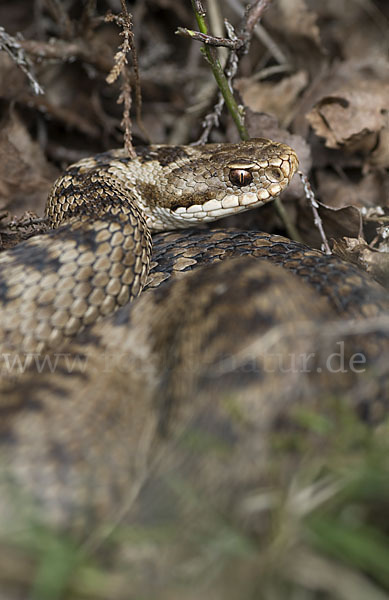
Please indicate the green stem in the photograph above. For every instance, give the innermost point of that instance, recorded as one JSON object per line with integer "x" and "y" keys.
{"x": 235, "y": 112}
{"x": 221, "y": 79}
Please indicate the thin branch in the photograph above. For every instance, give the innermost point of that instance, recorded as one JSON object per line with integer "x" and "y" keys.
{"x": 61, "y": 17}
{"x": 67, "y": 51}
{"x": 13, "y": 48}
{"x": 212, "y": 119}
{"x": 314, "y": 205}
{"x": 237, "y": 44}
{"x": 221, "y": 79}
{"x": 209, "y": 39}
{"x": 253, "y": 14}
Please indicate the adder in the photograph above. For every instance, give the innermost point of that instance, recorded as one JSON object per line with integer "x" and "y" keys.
{"x": 101, "y": 391}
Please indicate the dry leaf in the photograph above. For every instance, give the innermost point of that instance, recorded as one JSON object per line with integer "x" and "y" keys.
{"x": 337, "y": 222}
{"x": 338, "y": 192}
{"x": 277, "y": 98}
{"x": 380, "y": 156}
{"x": 347, "y": 208}
{"x": 371, "y": 260}
{"x": 348, "y": 117}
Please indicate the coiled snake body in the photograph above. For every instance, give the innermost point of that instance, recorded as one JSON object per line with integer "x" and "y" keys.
{"x": 203, "y": 354}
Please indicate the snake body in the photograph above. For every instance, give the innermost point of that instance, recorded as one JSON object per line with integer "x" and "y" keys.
{"x": 187, "y": 358}
{"x": 101, "y": 213}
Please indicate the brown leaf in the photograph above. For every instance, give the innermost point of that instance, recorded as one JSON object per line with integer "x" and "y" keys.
{"x": 275, "y": 98}
{"x": 380, "y": 156}
{"x": 371, "y": 260}
{"x": 337, "y": 222}
{"x": 337, "y": 192}
{"x": 347, "y": 208}
{"x": 349, "y": 116}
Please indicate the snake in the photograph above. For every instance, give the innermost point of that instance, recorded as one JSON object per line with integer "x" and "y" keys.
{"x": 163, "y": 330}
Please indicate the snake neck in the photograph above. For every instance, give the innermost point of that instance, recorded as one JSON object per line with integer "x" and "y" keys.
{"x": 95, "y": 261}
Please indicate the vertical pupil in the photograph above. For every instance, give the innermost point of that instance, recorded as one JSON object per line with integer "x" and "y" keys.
{"x": 240, "y": 177}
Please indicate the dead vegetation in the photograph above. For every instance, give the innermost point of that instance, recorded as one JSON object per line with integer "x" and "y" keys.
{"x": 314, "y": 75}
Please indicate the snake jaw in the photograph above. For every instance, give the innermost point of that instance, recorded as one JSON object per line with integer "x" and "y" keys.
{"x": 270, "y": 173}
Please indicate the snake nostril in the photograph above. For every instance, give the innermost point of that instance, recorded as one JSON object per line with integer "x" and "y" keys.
{"x": 274, "y": 174}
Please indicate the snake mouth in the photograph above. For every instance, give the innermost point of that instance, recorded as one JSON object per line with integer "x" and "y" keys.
{"x": 231, "y": 203}
{"x": 247, "y": 179}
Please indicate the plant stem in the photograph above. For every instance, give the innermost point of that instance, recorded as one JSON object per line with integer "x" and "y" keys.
{"x": 220, "y": 77}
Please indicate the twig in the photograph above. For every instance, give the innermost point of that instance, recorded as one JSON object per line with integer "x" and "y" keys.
{"x": 261, "y": 34}
{"x": 124, "y": 21}
{"x": 253, "y": 13}
{"x": 67, "y": 51}
{"x": 14, "y": 49}
{"x": 237, "y": 44}
{"x": 209, "y": 39}
{"x": 212, "y": 119}
{"x": 233, "y": 60}
{"x": 59, "y": 14}
{"x": 221, "y": 79}
{"x": 314, "y": 205}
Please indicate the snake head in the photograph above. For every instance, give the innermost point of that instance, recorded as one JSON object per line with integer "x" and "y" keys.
{"x": 212, "y": 181}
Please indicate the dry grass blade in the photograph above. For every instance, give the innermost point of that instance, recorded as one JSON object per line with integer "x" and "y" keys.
{"x": 124, "y": 20}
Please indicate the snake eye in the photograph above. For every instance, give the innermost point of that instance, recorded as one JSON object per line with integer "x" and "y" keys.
{"x": 240, "y": 177}
{"x": 275, "y": 174}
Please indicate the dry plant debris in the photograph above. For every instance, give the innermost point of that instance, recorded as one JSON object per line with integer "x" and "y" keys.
{"x": 318, "y": 71}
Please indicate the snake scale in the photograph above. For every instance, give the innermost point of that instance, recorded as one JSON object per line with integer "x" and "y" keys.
{"x": 220, "y": 347}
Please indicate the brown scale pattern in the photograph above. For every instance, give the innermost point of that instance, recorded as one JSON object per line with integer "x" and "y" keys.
{"x": 352, "y": 293}
{"x": 95, "y": 261}
{"x": 189, "y": 358}
{"x": 97, "y": 257}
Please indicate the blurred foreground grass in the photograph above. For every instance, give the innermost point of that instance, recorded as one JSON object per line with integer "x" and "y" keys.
{"x": 322, "y": 535}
